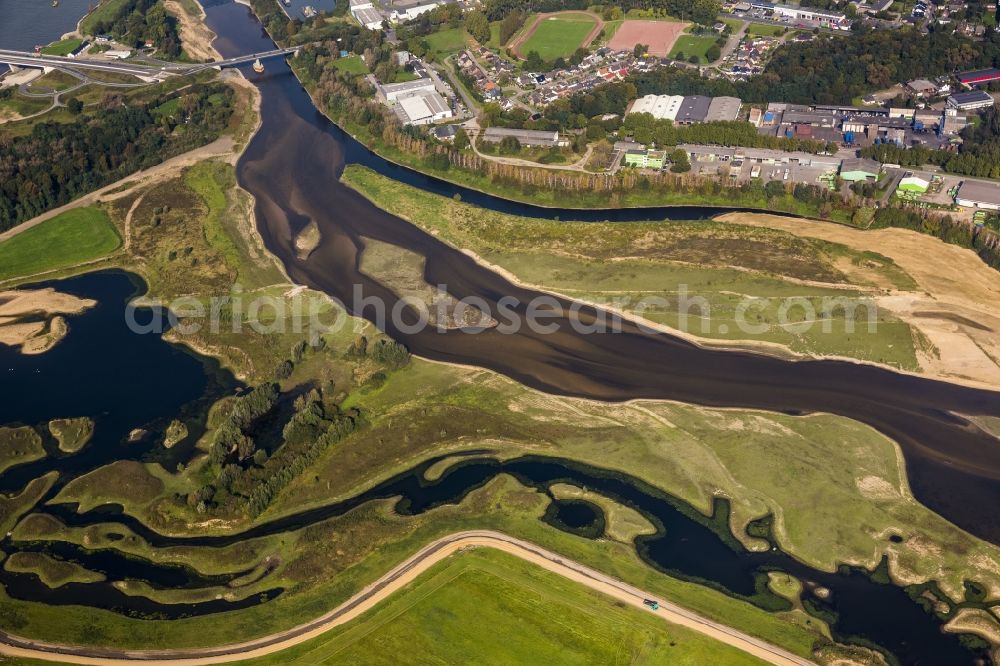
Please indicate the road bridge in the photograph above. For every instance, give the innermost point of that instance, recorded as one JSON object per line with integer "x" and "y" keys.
{"x": 66, "y": 63}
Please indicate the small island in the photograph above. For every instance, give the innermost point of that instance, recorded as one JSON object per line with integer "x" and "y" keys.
{"x": 72, "y": 434}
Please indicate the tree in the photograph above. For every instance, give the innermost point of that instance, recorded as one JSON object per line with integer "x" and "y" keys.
{"x": 75, "y": 106}
{"x": 510, "y": 145}
{"x": 478, "y": 26}
{"x": 534, "y": 62}
{"x": 510, "y": 24}
{"x": 462, "y": 139}
{"x": 639, "y": 50}
{"x": 680, "y": 162}
{"x": 774, "y": 188}
{"x": 713, "y": 53}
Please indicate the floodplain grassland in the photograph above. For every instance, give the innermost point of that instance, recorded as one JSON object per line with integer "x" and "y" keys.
{"x": 485, "y": 602}
{"x": 724, "y": 264}
{"x": 51, "y": 571}
{"x": 72, "y": 434}
{"x": 19, "y": 446}
{"x": 69, "y": 239}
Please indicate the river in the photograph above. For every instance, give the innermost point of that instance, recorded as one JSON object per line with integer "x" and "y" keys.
{"x": 292, "y": 167}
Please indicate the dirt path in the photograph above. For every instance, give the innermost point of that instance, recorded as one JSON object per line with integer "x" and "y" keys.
{"x": 579, "y": 165}
{"x": 957, "y": 306}
{"x": 392, "y": 582}
{"x": 221, "y": 147}
{"x": 519, "y": 40}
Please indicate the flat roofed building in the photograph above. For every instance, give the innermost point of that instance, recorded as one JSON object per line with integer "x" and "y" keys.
{"x": 392, "y": 91}
{"x": 694, "y": 109}
{"x": 368, "y": 17}
{"x": 723, "y": 108}
{"x": 977, "y": 194}
{"x": 423, "y": 108}
{"x": 405, "y": 10}
{"x": 525, "y": 137}
{"x": 661, "y": 107}
{"x": 979, "y": 76}
{"x": 970, "y": 101}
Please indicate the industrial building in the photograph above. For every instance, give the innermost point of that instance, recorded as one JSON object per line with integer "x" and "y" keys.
{"x": 828, "y": 19}
{"x": 913, "y": 184}
{"x": 541, "y": 138}
{"x": 406, "y": 10}
{"x": 661, "y": 107}
{"x": 978, "y": 194}
{"x": 970, "y": 101}
{"x": 978, "y": 77}
{"x": 723, "y": 108}
{"x": 390, "y": 92}
{"x": 365, "y": 13}
{"x": 694, "y": 109}
{"x": 858, "y": 169}
{"x": 422, "y": 108}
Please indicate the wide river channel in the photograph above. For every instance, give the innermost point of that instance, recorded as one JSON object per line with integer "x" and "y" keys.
{"x": 292, "y": 167}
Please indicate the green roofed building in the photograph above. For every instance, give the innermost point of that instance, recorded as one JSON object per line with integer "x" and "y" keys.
{"x": 913, "y": 184}
{"x": 858, "y": 169}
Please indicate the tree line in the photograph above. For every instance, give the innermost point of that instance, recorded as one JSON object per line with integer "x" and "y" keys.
{"x": 59, "y": 161}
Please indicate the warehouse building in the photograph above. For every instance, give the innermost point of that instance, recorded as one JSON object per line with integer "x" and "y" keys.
{"x": 978, "y": 77}
{"x": 524, "y": 137}
{"x": 978, "y": 194}
{"x": 407, "y": 10}
{"x": 694, "y": 109}
{"x": 661, "y": 107}
{"x": 723, "y": 108}
{"x": 390, "y": 92}
{"x": 970, "y": 101}
{"x": 859, "y": 169}
{"x": 365, "y": 13}
{"x": 422, "y": 108}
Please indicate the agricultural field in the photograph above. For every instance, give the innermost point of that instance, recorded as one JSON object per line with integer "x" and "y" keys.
{"x": 68, "y": 239}
{"x": 557, "y": 35}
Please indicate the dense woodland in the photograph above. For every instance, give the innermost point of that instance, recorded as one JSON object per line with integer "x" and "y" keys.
{"x": 139, "y": 21}
{"x": 58, "y": 162}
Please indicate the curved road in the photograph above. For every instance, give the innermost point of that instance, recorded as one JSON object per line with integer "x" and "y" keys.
{"x": 390, "y": 583}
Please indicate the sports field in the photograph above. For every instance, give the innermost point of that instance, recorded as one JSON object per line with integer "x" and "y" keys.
{"x": 692, "y": 45}
{"x": 557, "y": 35}
{"x": 659, "y": 36}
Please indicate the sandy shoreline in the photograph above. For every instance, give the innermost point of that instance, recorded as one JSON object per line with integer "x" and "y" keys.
{"x": 47, "y": 307}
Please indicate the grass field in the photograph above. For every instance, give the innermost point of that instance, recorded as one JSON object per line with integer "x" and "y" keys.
{"x": 103, "y": 13}
{"x": 71, "y": 238}
{"x": 558, "y": 36}
{"x": 351, "y": 64}
{"x": 765, "y": 29}
{"x": 445, "y": 42}
{"x": 488, "y": 605}
{"x": 62, "y": 47}
{"x": 692, "y": 45}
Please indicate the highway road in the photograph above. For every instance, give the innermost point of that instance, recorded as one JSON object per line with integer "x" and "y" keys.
{"x": 390, "y": 583}
{"x": 26, "y": 59}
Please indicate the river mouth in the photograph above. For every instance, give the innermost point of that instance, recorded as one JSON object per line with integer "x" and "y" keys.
{"x": 293, "y": 165}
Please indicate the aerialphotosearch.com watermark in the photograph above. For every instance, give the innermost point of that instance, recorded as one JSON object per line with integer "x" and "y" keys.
{"x": 308, "y": 312}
